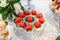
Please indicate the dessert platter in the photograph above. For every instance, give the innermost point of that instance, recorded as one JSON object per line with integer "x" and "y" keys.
{"x": 4, "y": 31}
{"x": 30, "y": 23}
{"x": 29, "y": 20}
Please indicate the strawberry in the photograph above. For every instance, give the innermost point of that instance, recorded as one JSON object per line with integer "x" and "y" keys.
{"x": 28, "y": 27}
{"x": 18, "y": 19}
{"x": 21, "y": 24}
{"x": 37, "y": 24}
{"x": 33, "y": 12}
{"x": 41, "y": 20}
{"x": 39, "y": 15}
{"x": 21, "y": 15}
{"x": 26, "y": 12}
{"x": 58, "y": 6}
{"x": 58, "y": 2}
{"x": 29, "y": 19}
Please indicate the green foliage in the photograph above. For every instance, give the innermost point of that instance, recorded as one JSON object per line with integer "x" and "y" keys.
{"x": 4, "y": 15}
{"x": 9, "y": 10}
{"x": 58, "y": 38}
{"x": 1, "y": 9}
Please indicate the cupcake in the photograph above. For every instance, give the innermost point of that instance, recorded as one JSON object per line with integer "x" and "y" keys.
{"x": 55, "y": 6}
{"x": 3, "y": 30}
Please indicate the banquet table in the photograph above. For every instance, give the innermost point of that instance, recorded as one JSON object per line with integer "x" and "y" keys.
{"x": 51, "y": 28}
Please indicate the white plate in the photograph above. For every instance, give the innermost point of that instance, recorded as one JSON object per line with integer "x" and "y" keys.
{"x": 21, "y": 33}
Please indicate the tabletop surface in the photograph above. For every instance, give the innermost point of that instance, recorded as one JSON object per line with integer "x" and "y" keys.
{"x": 51, "y": 27}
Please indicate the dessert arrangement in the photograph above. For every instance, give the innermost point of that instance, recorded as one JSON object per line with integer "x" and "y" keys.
{"x": 8, "y": 8}
{"x": 4, "y": 33}
{"x": 29, "y": 20}
{"x": 55, "y": 6}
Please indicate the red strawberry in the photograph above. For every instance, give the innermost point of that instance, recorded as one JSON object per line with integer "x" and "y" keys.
{"x": 37, "y": 24}
{"x": 28, "y": 27}
{"x": 39, "y": 15}
{"x": 21, "y": 15}
{"x": 58, "y": 2}
{"x": 41, "y": 20}
{"x": 26, "y": 12}
{"x": 18, "y": 19}
{"x": 58, "y": 6}
{"x": 21, "y": 24}
{"x": 33, "y": 12}
{"x": 29, "y": 19}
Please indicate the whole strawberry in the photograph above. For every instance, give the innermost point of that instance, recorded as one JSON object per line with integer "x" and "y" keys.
{"x": 29, "y": 19}
{"x": 21, "y": 24}
{"x": 28, "y": 27}
{"x": 18, "y": 19}
{"x": 21, "y": 15}
{"x": 33, "y": 12}
{"x": 26, "y": 12}
{"x": 58, "y": 2}
{"x": 39, "y": 15}
{"x": 37, "y": 24}
{"x": 41, "y": 20}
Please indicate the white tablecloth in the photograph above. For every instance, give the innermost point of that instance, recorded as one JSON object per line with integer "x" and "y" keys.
{"x": 52, "y": 25}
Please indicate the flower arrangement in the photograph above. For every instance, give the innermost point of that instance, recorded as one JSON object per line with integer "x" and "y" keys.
{"x": 8, "y": 8}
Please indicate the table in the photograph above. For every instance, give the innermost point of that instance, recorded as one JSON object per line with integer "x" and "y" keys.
{"x": 52, "y": 25}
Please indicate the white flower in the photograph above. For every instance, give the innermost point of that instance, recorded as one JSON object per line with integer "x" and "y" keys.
{"x": 17, "y": 6}
{"x": 3, "y": 3}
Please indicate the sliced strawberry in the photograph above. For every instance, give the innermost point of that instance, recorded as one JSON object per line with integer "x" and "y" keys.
{"x": 21, "y": 15}
{"x": 28, "y": 27}
{"x": 26, "y": 12}
{"x": 39, "y": 15}
{"x": 33, "y": 12}
{"x": 21, "y": 24}
{"x": 18, "y": 19}
{"x": 29, "y": 19}
{"x": 37, "y": 24}
{"x": 41, "y": 20}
